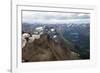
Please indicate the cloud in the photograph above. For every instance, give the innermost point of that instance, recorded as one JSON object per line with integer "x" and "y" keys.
{"x": 54, "y": 17}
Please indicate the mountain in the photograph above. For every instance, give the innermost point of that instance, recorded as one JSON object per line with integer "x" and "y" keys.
{"x": 51, "y": 46}
{"x": 76, "y": 34}
{"x": 79, "y": 34}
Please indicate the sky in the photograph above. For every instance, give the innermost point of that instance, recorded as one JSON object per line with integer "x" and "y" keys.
{"x": 54, "y": 17}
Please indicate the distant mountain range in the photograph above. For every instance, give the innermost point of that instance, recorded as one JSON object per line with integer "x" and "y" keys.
{"x": 78, "y": 34}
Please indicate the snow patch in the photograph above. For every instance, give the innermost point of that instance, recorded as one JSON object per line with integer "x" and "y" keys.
{"x": 54, "y": 36}
{"x": 39, "y": 28}
{"x": 52, "y": 29}
{"x": 26, "y": 35}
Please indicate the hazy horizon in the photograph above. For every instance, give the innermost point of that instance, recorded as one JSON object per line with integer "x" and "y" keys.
{"x": 54, "y": 17}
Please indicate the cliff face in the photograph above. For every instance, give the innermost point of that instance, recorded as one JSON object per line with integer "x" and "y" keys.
{"x": 47, "y": 49}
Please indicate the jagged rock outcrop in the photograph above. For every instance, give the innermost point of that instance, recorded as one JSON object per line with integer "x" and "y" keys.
{"x": 47, "y": 49}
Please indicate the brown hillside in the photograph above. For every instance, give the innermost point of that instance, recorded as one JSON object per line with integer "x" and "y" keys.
{"x": 46, "y": 49}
